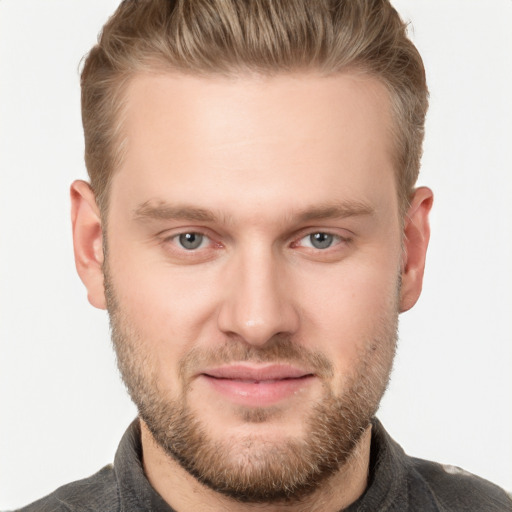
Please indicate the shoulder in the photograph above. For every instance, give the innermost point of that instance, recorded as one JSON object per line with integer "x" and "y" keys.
{"x": 457, "y": 490}
{"x": 98, "y": 492}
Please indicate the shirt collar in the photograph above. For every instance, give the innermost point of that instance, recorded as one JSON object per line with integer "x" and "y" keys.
{"x": 135, "y": 491}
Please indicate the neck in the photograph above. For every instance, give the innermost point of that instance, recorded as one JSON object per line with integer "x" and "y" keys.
{"x": 185, "y": 494}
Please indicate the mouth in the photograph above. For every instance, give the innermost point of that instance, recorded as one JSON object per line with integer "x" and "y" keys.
{"x": 257, "y": 385}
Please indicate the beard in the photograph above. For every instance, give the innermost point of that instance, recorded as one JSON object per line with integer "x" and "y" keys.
{"x": 244, "y": 467}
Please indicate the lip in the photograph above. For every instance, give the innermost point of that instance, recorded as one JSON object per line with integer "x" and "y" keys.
{"x": 257, "y": 372}
{"x": 257, "y": 385}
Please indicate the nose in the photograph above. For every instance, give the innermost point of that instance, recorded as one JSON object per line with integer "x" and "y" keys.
{"x": 257, "y": 300}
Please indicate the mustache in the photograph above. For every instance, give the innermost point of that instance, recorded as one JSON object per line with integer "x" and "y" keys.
{"x": 279, "y": 349}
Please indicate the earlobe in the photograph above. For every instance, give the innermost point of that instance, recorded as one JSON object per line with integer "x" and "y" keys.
{"x": 416, "y": 238}
{"x": 88, "y": 241}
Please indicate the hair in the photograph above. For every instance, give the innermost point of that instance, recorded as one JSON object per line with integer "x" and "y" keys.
{"x": 230, "y": 37}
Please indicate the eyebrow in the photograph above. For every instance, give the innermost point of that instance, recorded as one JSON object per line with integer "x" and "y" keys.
{"x": 337, "y": 210}
{"x": 161, "y": 210}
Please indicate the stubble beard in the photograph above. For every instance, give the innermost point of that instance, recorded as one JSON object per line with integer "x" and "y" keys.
{"x": 248, "y": 469}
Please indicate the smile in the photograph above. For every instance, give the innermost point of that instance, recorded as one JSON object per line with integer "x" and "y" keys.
{"x": 257, "y": 386}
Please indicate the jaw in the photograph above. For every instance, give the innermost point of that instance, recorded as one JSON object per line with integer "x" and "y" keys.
{"x": 337, "y": 491}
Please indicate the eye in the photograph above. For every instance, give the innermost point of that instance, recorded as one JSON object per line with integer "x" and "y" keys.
{"x": 191, "y": 241}
{"x": 320, "y": 240}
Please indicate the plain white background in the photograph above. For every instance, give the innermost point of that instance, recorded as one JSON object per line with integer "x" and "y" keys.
{"x": 63, "y": 408}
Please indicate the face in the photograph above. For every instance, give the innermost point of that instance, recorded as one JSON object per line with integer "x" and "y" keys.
{"x": 252, "y": 277}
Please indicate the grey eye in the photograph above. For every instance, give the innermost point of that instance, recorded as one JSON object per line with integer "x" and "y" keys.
{"x": 321, "y": 240}
{"x": 191, "y": 241}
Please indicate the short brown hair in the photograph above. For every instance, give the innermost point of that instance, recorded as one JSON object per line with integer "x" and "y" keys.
{"x": 264, "y": 36}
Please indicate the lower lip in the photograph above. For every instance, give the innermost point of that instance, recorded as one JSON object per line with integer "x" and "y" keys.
{"x": 258, "y": 393}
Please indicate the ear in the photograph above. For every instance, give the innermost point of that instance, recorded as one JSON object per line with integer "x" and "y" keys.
{"x": 88, "y": 241}
{"x": 416, "y": 237}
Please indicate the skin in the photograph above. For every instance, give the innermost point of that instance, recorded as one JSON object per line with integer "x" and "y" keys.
{"x": 270, "y": 159}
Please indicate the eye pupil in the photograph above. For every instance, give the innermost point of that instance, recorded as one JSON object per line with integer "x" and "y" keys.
{"x": 321, "y": 240}
{"x": 190, "y": 240}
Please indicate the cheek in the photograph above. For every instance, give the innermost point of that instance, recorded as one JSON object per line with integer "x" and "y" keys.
{"x": 346, "y": 310}
{"x": 170, "y": 308}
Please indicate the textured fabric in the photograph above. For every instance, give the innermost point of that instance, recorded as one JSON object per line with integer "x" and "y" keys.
{"x": 397, "y": 483}
{"x": 121, "y": 487}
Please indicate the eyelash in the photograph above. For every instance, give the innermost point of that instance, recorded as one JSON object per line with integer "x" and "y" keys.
{"x": 337, "y": 240}
{"x": 206, "y": 243}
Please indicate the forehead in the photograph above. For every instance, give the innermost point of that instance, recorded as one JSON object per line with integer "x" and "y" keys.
{"x": 260, "y": 142}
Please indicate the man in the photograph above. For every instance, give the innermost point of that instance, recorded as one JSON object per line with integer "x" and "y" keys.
{"x": 253, "y": 229}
